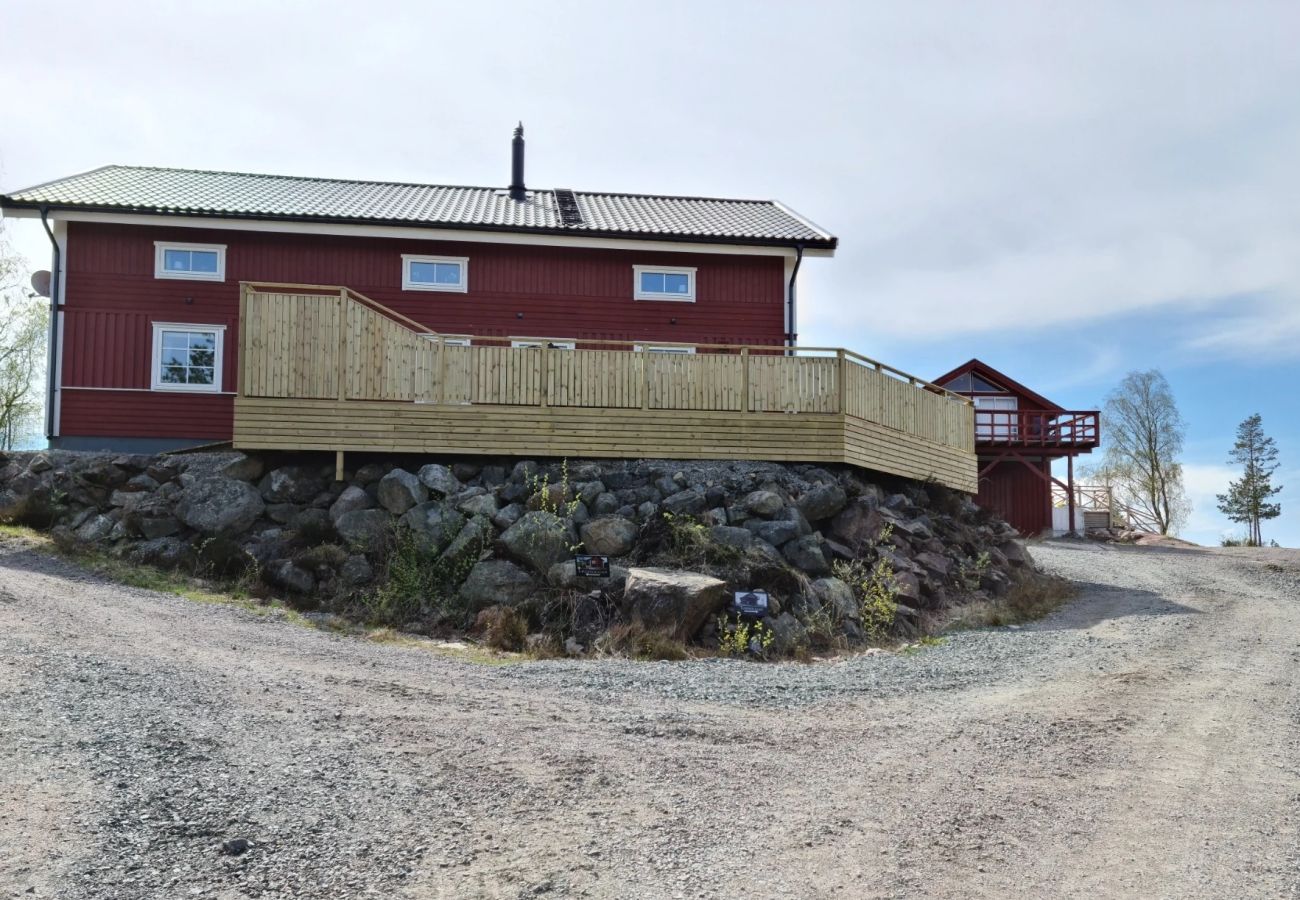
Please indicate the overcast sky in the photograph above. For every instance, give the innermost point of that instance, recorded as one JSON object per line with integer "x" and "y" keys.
{"x": 1067, "y": 190}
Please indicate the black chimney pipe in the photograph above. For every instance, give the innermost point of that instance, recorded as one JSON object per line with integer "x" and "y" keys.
{"x": 517, "y": 191}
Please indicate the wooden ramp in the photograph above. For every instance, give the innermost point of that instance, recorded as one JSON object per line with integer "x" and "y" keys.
{"x": 324, "y": 368}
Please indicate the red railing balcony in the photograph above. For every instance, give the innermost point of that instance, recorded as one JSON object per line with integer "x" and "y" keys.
{"x": 1035, "y": 428}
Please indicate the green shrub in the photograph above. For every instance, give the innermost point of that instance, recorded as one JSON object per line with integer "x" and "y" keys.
{"x": 689, "y": 544}
{"x": 741, "y": 637}
{"x": 418, "y": 579}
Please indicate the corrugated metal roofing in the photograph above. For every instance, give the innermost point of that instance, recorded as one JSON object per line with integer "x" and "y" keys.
{"x": 199, "y": 193}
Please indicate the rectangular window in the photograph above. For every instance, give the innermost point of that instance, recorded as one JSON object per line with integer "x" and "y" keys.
{"x": 663, "y": 283}
{"x": 192, "y": 262}
{"x": 435, "y": 273}
{"x": 554, "y": 345}
{"x": 187, "y": 357}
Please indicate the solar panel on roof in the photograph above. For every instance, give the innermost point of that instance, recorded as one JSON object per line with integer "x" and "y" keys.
{"x": 568, "y": 206}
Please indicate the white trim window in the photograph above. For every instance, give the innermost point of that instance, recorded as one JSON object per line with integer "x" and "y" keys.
{"x": 448, "y": 340}
{"x": 537, "y": 345}
{"x": 681, "y": 351}
{"x": 674, "y": 283}
{"x": 189, "y": 262}
{"x": 187, "y": 357}
{"x": 435, "y": 273}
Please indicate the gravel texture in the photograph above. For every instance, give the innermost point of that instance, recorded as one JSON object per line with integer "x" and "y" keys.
{"x": 1141, "y": 742}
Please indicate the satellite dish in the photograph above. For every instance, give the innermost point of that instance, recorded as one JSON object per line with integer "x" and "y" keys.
{"x": 41, "y": 282}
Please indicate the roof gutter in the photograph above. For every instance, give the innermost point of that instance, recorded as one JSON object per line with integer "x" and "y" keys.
{"x": 52, "y": 387}
{"x": 791, "y": 335}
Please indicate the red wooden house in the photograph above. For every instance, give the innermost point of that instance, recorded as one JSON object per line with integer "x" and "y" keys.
{"x": 1018, "y": 434}
{"x": 148, "y": 265}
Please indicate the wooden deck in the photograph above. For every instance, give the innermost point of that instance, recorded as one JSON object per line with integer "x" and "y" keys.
{"x": 324, "y": 368}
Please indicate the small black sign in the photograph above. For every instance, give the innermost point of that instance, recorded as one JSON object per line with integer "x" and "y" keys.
{"x": 591, "y": 566}
{"x": 750, "y": 603}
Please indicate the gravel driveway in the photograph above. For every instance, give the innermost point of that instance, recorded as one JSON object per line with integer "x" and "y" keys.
{"x": 1142, "y": 742}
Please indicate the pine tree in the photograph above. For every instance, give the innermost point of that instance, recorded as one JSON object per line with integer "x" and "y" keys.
{"x": 1247, "y": 500}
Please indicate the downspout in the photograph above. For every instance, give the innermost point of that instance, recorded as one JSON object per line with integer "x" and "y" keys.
{"x": 52, "y": 387}
{"x": 792, "y": 336}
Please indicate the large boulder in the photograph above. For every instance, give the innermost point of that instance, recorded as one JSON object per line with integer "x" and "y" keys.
{"x": 685, "y": 503}
{"x": 776, "y": 532}
{"x": 822, "y": 501}
{"x": 836, "y": 597}
{"x": 292, "y": 484}
{"x": 496, "y": 581}
{"x": 96, "y": 528}
{"x": 435, "y": 523}
{"x": 731, "y": 536}
{"x": 858, "y": 526}
{"x": 671, "y": 600}
{"x": 163, "y": 552}
{"x": 286, "y": 574}
{"x": 399, "y": 490}
{"x": 364, "y": 529}
{"x": 609, "y": 536}
{"x": 788, "y": 635}
{"x": 217, "y": 505}
{"x": 763, "y": 503}
{"x": 352, "y": 499}
{"x": 440, "y": 479}
{"x": 540, "y": 539}
{"x": 806, "y": 553}
{"x": 565, "y": 575}
{"x": 243, "y": 468}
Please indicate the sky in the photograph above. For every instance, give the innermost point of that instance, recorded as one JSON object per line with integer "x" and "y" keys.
{"x": 1068, "y": 191}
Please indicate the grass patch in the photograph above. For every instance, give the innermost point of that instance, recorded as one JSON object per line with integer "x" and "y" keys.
{"x": 189, "y": 587}
{"x": 635, "y": 640}
{"x": 1027, "y": 601}
{"x": 925, "y": 642}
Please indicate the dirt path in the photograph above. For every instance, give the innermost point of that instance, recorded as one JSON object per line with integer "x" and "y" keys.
{"x": 1143, "y": 742}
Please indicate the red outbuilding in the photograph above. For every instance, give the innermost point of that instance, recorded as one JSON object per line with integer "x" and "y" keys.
{"x": 1018, "y": 434}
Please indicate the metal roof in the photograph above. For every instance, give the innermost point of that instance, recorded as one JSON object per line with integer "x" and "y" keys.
{"x": 187, "y": 192}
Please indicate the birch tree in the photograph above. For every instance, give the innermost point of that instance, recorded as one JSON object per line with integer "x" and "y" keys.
{"x": 1143, "y": 434}
{"x": 24, "y": 322}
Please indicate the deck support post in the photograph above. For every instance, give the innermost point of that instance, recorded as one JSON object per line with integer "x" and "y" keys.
{"x": 338, "y": 465}
{"x": 1069, "y": 480}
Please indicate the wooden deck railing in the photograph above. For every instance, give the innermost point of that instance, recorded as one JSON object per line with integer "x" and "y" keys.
{"x": 1035, "y": 428}
{"x": 314, "y": 342}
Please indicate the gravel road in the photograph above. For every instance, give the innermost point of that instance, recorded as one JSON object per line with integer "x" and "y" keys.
{"x": 1142, "y": 742}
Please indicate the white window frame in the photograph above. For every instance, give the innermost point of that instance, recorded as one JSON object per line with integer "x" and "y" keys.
{"x": 448, "y": 340}
{"x": 409, "y": 285}
{"x": 654, "y": 348}
{"x": 155, "y": 380}
{"x": 160, "y": 249}
{"x": 688, "y": 271}
{"x": 537, "y": 345}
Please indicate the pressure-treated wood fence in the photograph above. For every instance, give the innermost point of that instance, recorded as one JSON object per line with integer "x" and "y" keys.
{"x": 361, "y": 376}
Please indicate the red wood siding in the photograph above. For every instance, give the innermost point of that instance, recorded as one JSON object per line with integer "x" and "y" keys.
{"x": 1016, "y": 494}
{"x": 112, "y": 299}
{"x": 147, "y": 414}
